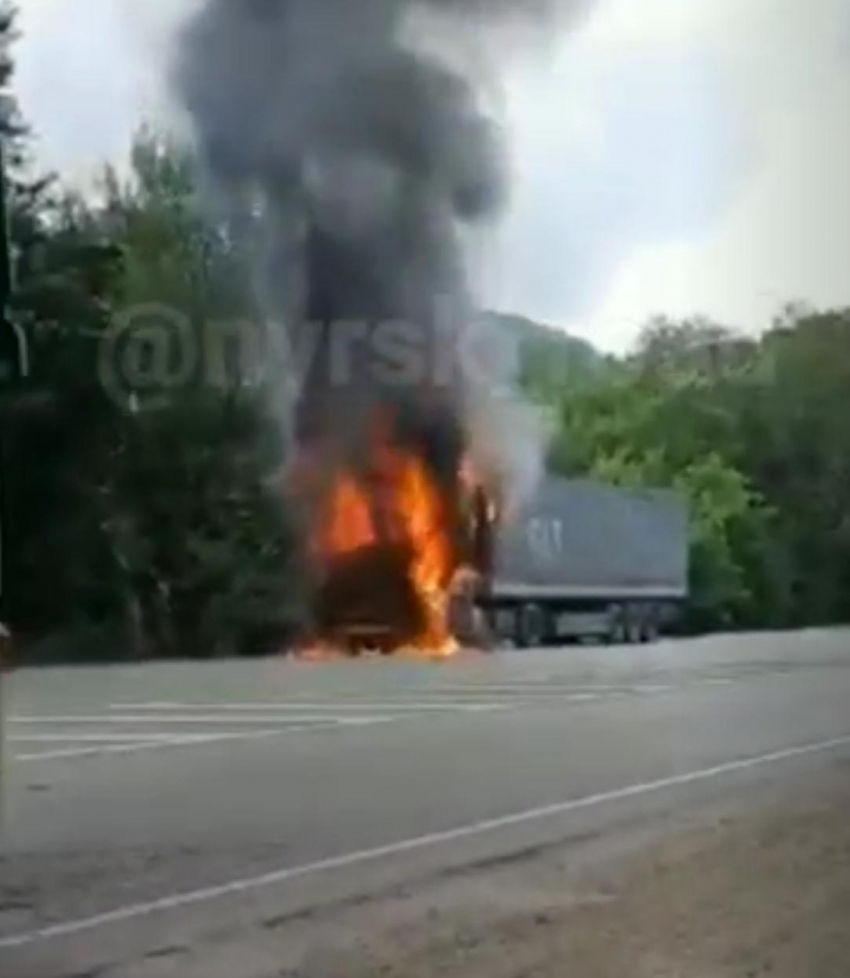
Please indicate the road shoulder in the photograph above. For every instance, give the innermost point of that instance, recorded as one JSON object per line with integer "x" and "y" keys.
{"x": 755, "y": 885}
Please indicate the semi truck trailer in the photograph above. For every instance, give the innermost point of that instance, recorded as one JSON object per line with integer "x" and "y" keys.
{"x": 585, "y": 560}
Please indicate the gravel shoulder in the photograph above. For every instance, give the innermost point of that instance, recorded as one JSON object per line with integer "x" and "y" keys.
{"x": 766, "y": 892}
{"x": 759, "y": 886}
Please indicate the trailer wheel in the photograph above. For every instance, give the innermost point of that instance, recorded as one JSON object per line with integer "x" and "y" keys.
{"x": 617, "y": 635}
{"x": 531, "y": 626}
{"x": 650, "y": 632}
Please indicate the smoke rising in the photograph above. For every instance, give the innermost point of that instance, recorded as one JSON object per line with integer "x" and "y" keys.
{"x": 362, "y": 152}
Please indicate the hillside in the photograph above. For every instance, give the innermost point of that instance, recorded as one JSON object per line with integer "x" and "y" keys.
{"x": 549, "y": 357}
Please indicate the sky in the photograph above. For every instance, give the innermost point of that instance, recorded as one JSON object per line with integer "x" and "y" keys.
{"x": 675, "y": 157}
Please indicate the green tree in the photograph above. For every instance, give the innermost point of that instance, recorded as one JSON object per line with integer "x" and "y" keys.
{"x": 192, "y": 495}
{"x": 60, "y": 277}
{"x": 797, "y": 452}
{"x": 145, "y": 529}
{"x": 663, "y": 418}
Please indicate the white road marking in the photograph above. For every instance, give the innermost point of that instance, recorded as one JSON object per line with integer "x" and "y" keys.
{"x": 97, "y": 738}
{"x": 649, "y": 689}
{"x": 143, "y": 745}
{"x": 193, "y": 719}
{"x": 346, "y": 861}
{"x": 146, "y": 742}
{"x": 551, "y": 684}
{"x": 335, "y": 706}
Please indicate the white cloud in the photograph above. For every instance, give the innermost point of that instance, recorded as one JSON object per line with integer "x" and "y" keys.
{"x": 672, "y": 155}
{"x": 86, "y": 79}
{"x": 707, "y": 173}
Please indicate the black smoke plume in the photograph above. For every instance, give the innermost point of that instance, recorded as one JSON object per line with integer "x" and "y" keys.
{"x": 362, "y": 152}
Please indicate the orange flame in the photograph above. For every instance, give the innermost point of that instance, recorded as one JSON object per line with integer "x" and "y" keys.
{"x": 398, "y": 502}
{"x": 351, "y": 525}
{"x": 420, "y": 510}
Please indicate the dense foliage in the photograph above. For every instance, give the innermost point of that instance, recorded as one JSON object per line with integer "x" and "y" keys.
{"x": 754, "y": 432}
{"x": 160, "y": 528}
{"x": 136, "y": 528}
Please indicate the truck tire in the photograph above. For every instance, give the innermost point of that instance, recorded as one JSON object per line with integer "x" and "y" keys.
{"x": 634, "y": 633}
{"x": 532, "y": 627}
{"x": 650, "y": 633}
{"x": 617, "y": 635}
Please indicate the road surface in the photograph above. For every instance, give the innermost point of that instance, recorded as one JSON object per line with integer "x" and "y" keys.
{"x": 178, "y": 819}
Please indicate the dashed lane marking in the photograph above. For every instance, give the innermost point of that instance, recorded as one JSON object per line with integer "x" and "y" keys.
{"x": 193, "y": 720}
{"x": 110, "y": 743}
{"x": 332, "y": 706}
{"x": 141, "y": 746}
{"x": 97, "y": 738}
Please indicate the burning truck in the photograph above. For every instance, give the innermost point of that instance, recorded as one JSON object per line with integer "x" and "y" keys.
{"x": 356, "y": 140}
{"x": 577, "y": 560}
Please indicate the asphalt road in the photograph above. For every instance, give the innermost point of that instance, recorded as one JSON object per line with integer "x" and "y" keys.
{"x": 153, "y": 809}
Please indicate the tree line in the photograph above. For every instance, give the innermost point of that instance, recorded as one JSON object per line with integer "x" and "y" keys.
{"x": 133, "y": 532}
{"x": 128, "y": 531}
{"x": 754, "y": 432}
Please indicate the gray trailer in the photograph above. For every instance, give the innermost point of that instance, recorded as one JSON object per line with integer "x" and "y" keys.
{"x": 583, "y": 559}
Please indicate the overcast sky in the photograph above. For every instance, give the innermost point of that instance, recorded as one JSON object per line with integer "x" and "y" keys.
{"x": 675, "y": 156}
